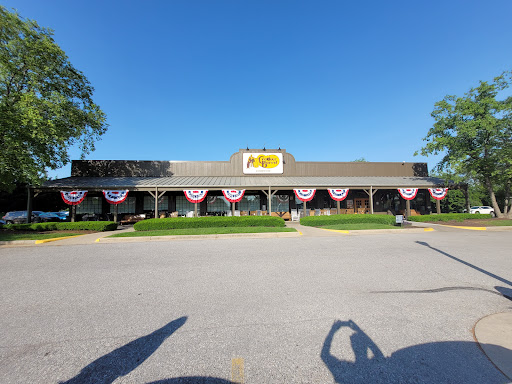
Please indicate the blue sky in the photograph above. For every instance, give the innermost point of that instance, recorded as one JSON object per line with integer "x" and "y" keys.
{"x": 326, "y": 80}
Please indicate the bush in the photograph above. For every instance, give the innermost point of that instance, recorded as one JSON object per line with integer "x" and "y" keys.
{"x": 449, "y": 217}
{"x": 208, "y": 222}
{"x": 99, "y": 226}
{"x": 318, "y": 221}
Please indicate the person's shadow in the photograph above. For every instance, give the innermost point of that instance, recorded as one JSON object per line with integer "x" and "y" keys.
{"x": 441, "y": 362}
{"x": 125, "y": 359}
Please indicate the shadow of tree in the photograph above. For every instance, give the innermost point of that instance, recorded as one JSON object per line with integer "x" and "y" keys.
{"x": 193, "y": 380}
{"x": 125, "y": 359}
{"x": 442, "y": 362}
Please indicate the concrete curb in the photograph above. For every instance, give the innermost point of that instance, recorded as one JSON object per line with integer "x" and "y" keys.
{"x": 379, "y": 231}
{"x": 18, "y": 242}
{"x": 267, "y": 235}
{"x": 55, "y": 239}
{"x": 494, "y": 335}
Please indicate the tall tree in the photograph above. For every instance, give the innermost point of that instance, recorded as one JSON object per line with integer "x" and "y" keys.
{"x": 46, "y": 104}
{"x": 474, "y": 133}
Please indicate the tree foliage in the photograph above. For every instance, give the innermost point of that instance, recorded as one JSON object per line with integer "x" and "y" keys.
{"x": 474, "y": 132}
{"x": 46, "y": 104}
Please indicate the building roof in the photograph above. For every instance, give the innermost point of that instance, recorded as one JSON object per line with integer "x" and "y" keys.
{"x": 241, "y": 182}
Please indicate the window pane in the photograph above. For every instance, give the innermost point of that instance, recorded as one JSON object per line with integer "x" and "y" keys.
{"x": 249, "y": 203}
{"x": 90, "y": 205}
{"x": 127, "y": 206}
{"x": 217, "y": 204}
{"x": 149, "y": 203}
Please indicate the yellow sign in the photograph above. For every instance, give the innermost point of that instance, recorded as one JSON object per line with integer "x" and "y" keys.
{"x": 264, "y": 161}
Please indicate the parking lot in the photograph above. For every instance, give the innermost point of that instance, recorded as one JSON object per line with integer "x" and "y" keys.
{"x": 371, "y": 308}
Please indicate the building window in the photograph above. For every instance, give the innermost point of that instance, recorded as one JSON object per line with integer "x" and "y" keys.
{"x": 127, "y": 206}
{"x": 249, "y": 203}
{"x": 149, "y": 203}
{"x": 183, "y": 205}
{"x": 90, "y": 205}
{"x": 280, "y": 203}
{"x": 217, "y": 204}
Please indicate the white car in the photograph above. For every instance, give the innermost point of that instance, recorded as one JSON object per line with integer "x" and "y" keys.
{"x": 482, "y": 209}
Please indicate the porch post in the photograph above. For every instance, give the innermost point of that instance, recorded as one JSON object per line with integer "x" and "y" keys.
{"x": 371, "y": 200}
{"x": 195, "y": 209}
{"x": 73, "y": 213}
{"x": 156, "y": 202}
{"x": 269, "y": 202}
{"x": 115, "y": 213}
{"x": 408, "y": 208}
{"x": 338, "y": 207}
{"x": 438, "y": 206}
{"x": 233, "y": 209}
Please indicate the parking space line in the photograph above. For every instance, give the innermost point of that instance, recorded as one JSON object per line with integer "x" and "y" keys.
{"x": 237, "y": 370}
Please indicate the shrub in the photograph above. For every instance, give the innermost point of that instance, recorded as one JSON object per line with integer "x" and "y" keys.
{"x": 449, "y": 217}
{"x": 318, "y": 221}
{"x": 99, "y": 226}
{"x": 208, "y": 222}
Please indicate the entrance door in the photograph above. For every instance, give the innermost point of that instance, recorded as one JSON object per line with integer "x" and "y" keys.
{"x": 362, "y": 205}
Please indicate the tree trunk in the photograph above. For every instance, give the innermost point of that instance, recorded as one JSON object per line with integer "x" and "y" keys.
{"x": 497, "y": 210}
{"x": 507, "y": 211}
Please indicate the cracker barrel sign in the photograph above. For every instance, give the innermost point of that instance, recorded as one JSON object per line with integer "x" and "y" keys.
{"x": 263, "y": 163}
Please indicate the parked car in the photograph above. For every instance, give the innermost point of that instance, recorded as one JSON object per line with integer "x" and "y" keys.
{"x": 20, "y": 217}
{"x": 483, "y": 210}
{"x": 49, "y": 216}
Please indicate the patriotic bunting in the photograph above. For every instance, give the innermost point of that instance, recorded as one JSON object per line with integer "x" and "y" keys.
{"x": 305, "y": 194}
{"x": 438, "y": 193}
{"x": 115, "y": 197}
{"x": 73, "y": 197}
{"x": 338, "y": 194}
{"x": 408, "y": 193}
{"x": 233, "y": 196}
{"x": 195, "y": 196}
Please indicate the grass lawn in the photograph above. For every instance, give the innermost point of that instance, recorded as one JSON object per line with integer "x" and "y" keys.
{"x": 13, "y": 235}
{"x": 204, "y": 231}
{"x": 360, "y": 226}
{"x": 479, "y": 223}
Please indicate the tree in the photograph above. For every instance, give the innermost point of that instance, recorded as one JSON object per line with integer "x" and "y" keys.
{"x": 46, "y": 104}
{"x": 475, "y": 134}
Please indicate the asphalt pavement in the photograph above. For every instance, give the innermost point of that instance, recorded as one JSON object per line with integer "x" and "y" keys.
{"x": 310, "y": 309}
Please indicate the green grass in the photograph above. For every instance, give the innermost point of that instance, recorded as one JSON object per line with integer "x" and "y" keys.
{"x": 203, "y": 231}
{"x": 12, "y": 236}
{"x": 449, "y": 217}
{"x": 360, "y": 226}
{"x": 498, "y": 223}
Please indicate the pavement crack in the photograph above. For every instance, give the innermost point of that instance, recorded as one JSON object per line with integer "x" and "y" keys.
{"x": 445, "y": 289}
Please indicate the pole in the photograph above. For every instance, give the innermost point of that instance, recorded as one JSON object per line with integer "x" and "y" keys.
{"x": 408, "y": 208}
{"x": 233, "y": 209}
{"x": 73, "y": 213}
{"x": 156, "y": 202}
{"x": 371, "y": 199}
{"x": 115, "y": 213}
{"x": 29, "y": 204}
{"x": 338, "y": 207}
{"x": 438, "y": 206}
{"x": 269, "y": 202}
{"x": 195, "y": 209}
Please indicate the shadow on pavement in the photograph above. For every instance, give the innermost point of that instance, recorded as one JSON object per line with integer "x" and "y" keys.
{"x": 125, "y": 359}
{"x": 442, "y": 362}
{"x": 193, "y": 380}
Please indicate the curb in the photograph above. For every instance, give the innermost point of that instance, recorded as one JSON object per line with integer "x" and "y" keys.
{"x": 197, "y": 237}
{"x": 54, "y": 239}
{"x": 379, "y": 231}
{"x": 18, "y": 242}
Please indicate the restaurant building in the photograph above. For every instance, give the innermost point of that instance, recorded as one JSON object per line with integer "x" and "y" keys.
{"x": 268, "y": 178}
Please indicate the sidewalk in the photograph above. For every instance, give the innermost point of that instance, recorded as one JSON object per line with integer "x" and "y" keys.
{"x": 494, "y": 335}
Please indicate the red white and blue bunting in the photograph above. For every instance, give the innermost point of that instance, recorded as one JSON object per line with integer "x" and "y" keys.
{"x": 408, "y": 193}
{"x": 305, "y": 194}
{"x": 73, "y": 197}
{"x": 115, "y": 197}
{"x": 438, "y": 193}
{"x": 233, "y": 196}
{"x": 195, "y": 196}
{"x": 338, "y": 194}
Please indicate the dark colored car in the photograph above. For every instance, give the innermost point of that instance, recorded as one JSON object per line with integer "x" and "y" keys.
{"x": 49, "y": 216}
{"x": 20, "y": 217}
